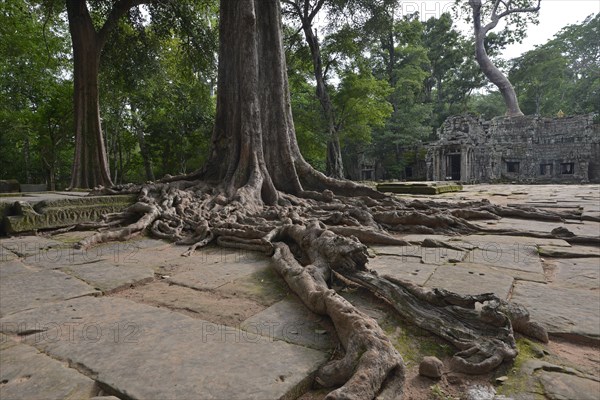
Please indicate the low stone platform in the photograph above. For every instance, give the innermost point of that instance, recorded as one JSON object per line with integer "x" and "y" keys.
{"x": 426, "y": 188}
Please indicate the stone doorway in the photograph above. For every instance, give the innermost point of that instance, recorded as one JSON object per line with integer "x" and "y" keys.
{"x": 453, "y": 167}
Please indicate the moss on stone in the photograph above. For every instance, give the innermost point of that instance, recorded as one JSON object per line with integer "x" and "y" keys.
{"x": 414, "y": 343}
{"x": 425, "y": 188}
{"x": 519, "y": 382}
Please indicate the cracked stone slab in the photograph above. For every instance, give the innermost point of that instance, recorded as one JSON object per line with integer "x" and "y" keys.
{"x": 428, "y": 255}
{"x": 570, "y": 252}
{"x": 578, "y": 273}
{"x": 28, "y": 290}
{"x": 517, "y": 260}
{"x": 167, "y": 259}
{"x": 7, "y": 255}
{"x": 27, "y": 374}
{"x": 563, "y": 311}
{"x": 469, "y": 279}
{"x": 289, "y": 320}
{"x": 108, "y": 278}
{"x": 558, "y": 386}
{"x": 403, "y": 268}
{"x": 149, "y": 353}
{"x": 484, "y": 241}
{"x": 584, "y": 228}
{"x": 25, "y": 246}
{"x": 228, "y": 310}
{"x": 12, "y": 267}
{"x": 206, "y": 276}
{"x": 132, "y": 252}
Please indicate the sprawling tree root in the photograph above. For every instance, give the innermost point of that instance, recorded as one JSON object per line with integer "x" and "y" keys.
{"x": 312, "y": 235}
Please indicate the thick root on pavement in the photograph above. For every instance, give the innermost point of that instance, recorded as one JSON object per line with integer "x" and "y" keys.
{"x": 312, "y": 235}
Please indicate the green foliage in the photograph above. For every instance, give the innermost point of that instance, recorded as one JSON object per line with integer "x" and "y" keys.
{"x": 35, "y": 94}
{"x": 155, "y": 94}
{"x": 487, "y": 106}
{"x": 562, "y": 74}
{"x": 403, "y": 61}
{"x": 361, "y": 101}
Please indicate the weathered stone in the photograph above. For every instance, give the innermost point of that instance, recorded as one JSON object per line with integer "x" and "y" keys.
{"x": 265, "y": 287}
{"x": 139, "y": 251}
{"x": 27, "y": 374}
{"x": 105, "y": 398}
{"x": 559, "y": 386}
{"x": 585, "y": 228}
{"x": 6, "y": 254}
{"x": 149, "y": 353}
{"x": 211, "y": 276}
{"x": 291, "y": 321}
{"x": 26, "y": 246}
{"x": 23, "y": 291}
{"x": 454, "y": 241}
{"x": 56, "y": 213}
{"x": 578, "y": 273}
{"x": 403, "y": 268}
{"x": 519, "y": 261}
{"x": 526, "y": 149}
{"x": 570, "y": 252}
{"x": 9, "y": 186}
{"x": 428, "y": 188}
{"x": 12, "y": 267}
{"x": 480, "y": 392}
{"x": 565, "y": 312}
{"x": 431, "y": 367}
{"x": 511, "y": 243}
{"x": 213, "y": 307}
{"x": 427, "y": 255}
{"x": 470, "y": 279}
{"x": 33, "y": 187}
{"x": 108, "y": 277}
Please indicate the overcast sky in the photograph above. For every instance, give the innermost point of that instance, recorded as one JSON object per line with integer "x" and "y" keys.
{"x": 554, "y": 15}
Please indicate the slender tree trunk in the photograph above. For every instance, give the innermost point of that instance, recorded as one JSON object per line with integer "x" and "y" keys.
{"x": 90, "y": 167}
{"x": 487, "y": 66}
{"x": 27, "y": 154}
{"x": 139, "y": 132}
{"x": 334, "y": 164}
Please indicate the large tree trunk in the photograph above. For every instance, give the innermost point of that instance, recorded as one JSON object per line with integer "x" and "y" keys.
{"x": 487, "y": 66}
{"x": 90, "y": 166}
{"x": 254, "y": 142}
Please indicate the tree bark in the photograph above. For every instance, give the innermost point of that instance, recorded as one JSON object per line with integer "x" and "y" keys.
{"x": 487, "y": 66}
{"x": 90, "y": 166}
{"x": 254, "y": 141}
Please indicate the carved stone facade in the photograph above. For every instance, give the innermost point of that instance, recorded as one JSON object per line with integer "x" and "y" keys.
{"x": 23, "y": 216}
{"x": 526, "y": 149}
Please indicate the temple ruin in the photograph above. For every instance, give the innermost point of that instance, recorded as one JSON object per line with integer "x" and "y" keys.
{"x": 528, "y": 149}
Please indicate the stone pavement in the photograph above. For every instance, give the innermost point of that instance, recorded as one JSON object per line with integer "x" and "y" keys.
{"x": 136, "y": 320}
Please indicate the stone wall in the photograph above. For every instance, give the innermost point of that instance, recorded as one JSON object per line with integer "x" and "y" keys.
{"x": 526, "y": 149}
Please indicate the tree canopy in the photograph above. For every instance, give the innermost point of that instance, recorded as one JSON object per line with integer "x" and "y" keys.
{"x": 391, "y": 81}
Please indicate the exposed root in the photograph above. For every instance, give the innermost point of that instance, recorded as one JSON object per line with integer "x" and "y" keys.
{"x": 310, "y": 235}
